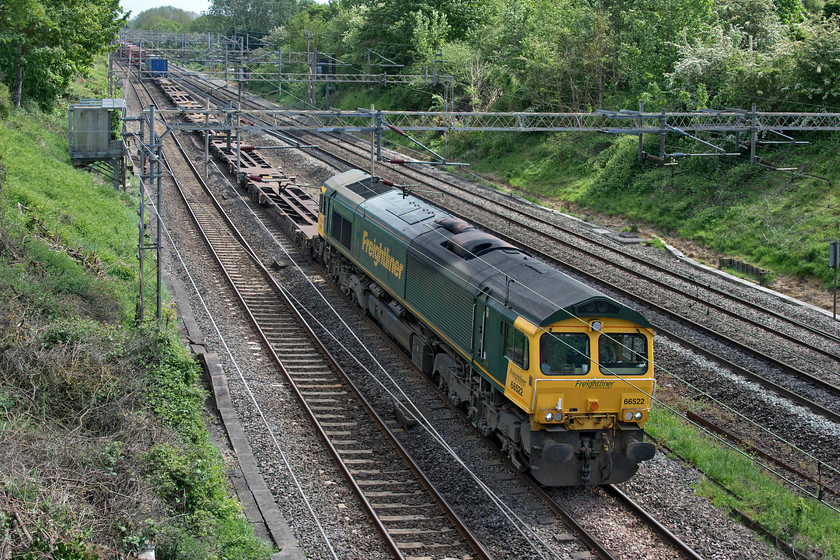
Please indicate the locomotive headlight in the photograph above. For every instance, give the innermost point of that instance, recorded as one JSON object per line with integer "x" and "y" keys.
{"x": 637, "y": 416}
{"x": 628, "y": 415}
{"x": 549, "y": 416}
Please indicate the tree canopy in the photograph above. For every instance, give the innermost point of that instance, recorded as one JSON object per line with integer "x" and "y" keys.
{"x": 43, "y": 44}
{"x": 163, "y": 18}
{"x": 577, "y": 55}
{"x": 256, "y": 16}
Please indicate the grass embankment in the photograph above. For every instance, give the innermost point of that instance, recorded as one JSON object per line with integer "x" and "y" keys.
{"x": 102, "y": 442}
{"x": 781, "y": 221}
{"x": 742, "y": 485}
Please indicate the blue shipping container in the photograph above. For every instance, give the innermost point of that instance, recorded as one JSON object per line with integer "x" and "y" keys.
{"x": 158, "y": 67}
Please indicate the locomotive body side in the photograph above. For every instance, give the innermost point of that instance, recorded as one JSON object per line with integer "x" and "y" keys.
{"x": 522, "y": 347}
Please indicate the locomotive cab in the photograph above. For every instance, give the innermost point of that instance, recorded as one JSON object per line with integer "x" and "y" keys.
{"x": 586, "y": 386}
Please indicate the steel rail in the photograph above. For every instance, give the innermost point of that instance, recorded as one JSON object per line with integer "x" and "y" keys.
{"x": 457, "y": 523}
{"x": 641, "y": 512}
{"x": 816, "y": 407}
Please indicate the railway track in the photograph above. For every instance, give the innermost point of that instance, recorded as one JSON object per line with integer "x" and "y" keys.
{"x": 324, "y": 392}
{"x": 684, "y": 553}
{"x": 413, "y": 519}
{"x": 797, "y": 358}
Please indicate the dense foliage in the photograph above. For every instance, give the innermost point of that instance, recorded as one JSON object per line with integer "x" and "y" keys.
{"x": 569, "y": 55}
{"x": 45, "y": 44}
{"x": 572, "y": 55}
{"x": 163, "y": 18}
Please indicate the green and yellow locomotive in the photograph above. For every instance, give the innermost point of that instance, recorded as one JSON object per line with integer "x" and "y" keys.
{"x": 556, "y": 371}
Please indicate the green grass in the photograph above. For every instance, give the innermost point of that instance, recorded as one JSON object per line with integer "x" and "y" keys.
{"x": 85, "y": 395}
{"x": 804, "y": 522}
{"x": 768, "y": 218}
{"x": 67, "y": 211}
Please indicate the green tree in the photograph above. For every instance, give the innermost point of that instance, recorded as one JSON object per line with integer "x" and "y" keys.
{"x": 831, "y": 9}
{"x": 648, "y": 40}
{"x": 259, "y": 16}
{"x": 164, "y": 18}
{"x": 43, "y": 44}
{"x": 757, "y": 21}
{"x": 391, "y": 26}
{"x": 815, "y": 77}
{"x": 790, "y": 11}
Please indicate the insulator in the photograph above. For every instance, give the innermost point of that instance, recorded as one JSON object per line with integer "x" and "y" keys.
{"x": 397, "y": 130}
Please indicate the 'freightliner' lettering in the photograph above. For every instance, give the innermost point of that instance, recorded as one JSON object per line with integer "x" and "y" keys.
{"x": 594, "y": 384}
{"x": 381, "y": 255}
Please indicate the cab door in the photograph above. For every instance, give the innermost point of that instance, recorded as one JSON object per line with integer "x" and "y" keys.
{"x": 519, "y": 349}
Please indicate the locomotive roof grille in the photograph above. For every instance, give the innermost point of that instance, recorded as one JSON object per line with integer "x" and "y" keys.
{"x": 453, "y": 224}
{"x": 473, "y": 243}
{"x": 368, "y": 189}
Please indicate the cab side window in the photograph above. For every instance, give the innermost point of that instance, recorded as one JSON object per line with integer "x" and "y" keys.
{"x": 516, "y": 345}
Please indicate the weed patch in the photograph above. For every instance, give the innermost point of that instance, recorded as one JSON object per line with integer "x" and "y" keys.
{"x": 748, "y": 488}
{"x": 102, "y": 440}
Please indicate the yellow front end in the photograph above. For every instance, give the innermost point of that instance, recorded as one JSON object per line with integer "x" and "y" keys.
{"x": 588, "y": 376}
{"x": 587, "y": 390}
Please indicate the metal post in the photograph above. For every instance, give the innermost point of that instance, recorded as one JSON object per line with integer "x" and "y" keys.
{"x": 662, "y": 121}
{"x": 753, "y": 135}
{"x": 228, "y": 123}
{"x": 280, "y": 72}
{"x": 372, "y": 140}
{"x": 327, "y": 92}
{"x": 154, "y": 179}
{"x": 379, "y": 127}
{"x": 834, "y": 262}
{"x": 310, "y": 59}
{"x": 158, "y": 148}
{"x": 142, "y": 225}
{"x": 207, "y": 140}
{"x": 641, "y": 124}
{"x": 238, "y": 148}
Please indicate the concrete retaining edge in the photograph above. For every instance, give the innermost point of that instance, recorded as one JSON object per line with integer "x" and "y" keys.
{"x": 260, "y": 495}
